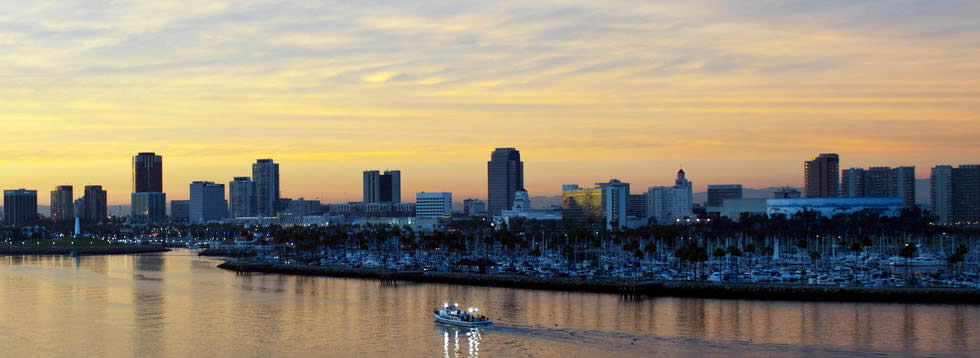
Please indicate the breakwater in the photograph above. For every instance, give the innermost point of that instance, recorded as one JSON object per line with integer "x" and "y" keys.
{"x": 224, "y": 252}
{"x": 654, "y": 288}
{"x": 124, "y": 250}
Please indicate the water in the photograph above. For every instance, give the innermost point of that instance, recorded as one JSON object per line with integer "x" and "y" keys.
{"x": 180, "y": 305}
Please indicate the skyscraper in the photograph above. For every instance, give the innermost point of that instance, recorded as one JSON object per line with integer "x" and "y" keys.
{"x": 821, "y": 176}
{"x": 687, "y": 185}
{"x": 95, "y": 204}
{"x": 207, "y": 202}
{"x": 505, "y": 175}
{"x": 382, "y": 188}
{"x": 717, "y": 194}
{"x": 147, "y": 173}
{"x": 265, "y": 174}
{"x": 148, "y": 203}
{"x": 242, "y": 199}
{"x": 617, "y": 195}
{"x": 879, "y": 182}
{"x": 19, "y": 206}
{"x": 956, "y": 193}
{"x": 62, "y": 203}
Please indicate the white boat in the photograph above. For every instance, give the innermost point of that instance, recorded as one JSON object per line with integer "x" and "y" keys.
{"x": 451, "y": 314}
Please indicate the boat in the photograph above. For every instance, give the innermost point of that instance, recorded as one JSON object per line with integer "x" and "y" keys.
{"x": 451, "y": 314}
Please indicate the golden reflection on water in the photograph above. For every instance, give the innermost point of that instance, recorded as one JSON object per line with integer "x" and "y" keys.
{"x": 178, "y": 305}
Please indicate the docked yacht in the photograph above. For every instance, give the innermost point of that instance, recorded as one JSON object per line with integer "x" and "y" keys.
{"x": 451, "y": 314}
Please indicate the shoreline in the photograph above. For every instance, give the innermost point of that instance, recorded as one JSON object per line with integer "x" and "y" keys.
{"x": 7, "y": 251}
{"x": 652, "y": 288}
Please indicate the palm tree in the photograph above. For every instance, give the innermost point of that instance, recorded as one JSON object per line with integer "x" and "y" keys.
{"x": 908, "y": 252}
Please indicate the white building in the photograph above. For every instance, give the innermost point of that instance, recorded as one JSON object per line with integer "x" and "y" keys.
{"x": 522, "y": 209}
{"x": 432, "y": 205}
{"x": 668, "y": 204}
{"x": 671, "y": 204}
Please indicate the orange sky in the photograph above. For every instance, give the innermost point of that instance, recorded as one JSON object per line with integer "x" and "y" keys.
{"x": 587, "y": 92}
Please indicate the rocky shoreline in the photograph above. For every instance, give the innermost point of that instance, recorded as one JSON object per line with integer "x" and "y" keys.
{"x": 653, "y": 288}
{"x": 81, "y": 250}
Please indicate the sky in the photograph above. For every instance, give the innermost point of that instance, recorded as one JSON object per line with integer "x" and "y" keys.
{"x": 733, "y": 92}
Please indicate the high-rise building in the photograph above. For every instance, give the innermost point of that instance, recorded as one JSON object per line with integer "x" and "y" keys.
{"x": 148, "y": 203}
{"x": 786, "y": 193}
{"x": 19, "y": 207}
{"x": 95, "y": 204}
{"x": 617, "y": 197}
{"x": 636, "y": 205}
{"x": 382, "y": 188}
{"x": 242, "y": 199}
{"x": 667, "y": 205}
{"x": 265, "y": 174}
{"x": 147, "y": 208}
{"x": 602, "y": 207}
{"x": 821, "y": 176}
{"x": 474, "y": 207}
{"x": 717, "y": 194}
{"x": 207, "y": 202}
{"x": 505, "y": 175}
{"x": 180, "y": 211}
{"x": 147, "y": 173}
{"x": 879, "y": 182}
{"x": 682, "y": 183}
{"x": 303, "y": 207}
{"x": 956, "y": 193}
{"x": 62, "y": 203}
{"x": 433, "y": 205}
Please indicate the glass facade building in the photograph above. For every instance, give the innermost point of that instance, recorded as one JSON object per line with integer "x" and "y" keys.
{"x": 505, "y": 175}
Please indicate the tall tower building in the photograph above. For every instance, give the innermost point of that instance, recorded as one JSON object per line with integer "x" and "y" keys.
{"x": 207, "y": 202}
{"x": 148, "y": 203}
{"x": 956, "y": 193}
{"x": 821, "y": 176}
{"x": 19, "y": 207}
{"x": 242, "y": 199}
{"x": 383, "y": 188}
{"x": 95, "y": 204}
{"x": 879, "y": 182}
{"x": 265, "y": 174}
{"x": 687, "y": 185}
{"x": 505, "y": 175}
{"x": 62, "y": 203}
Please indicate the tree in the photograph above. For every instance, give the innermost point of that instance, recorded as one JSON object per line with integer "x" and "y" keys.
{"x": 908, "y": 252}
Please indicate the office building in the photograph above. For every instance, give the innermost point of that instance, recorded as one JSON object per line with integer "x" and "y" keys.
{"x": 242, "y": 198}
{"x": 717, "y": 194}
{"x": 474, "y": 207}
{"x": 505, "y": 175}
{"x": 821, "y": 176}
{"x": 786, "y": 193}
{"x": 180, "y": 211}
{"x": 382, "y": 188}
{"x": 207, "y": 202}
{"x": 148, "y": 203}
{"x": 433, "y": 205}
{"x": 956, "y": 194}
{"x": 62, "y": 203}
{"x": 147, "y": 173}
{"x": 19, "y": 207}
{"x": 148, "y": 208}
{"x": 95, "y": 203}
{"x": 617, "y": 197}
{"x": 303, "y": 207}
{"x": 265, "y": 174}
{"x": 602, "y": 207}
{"x": 879, "y": 182}
{"x": 636, "y": 205}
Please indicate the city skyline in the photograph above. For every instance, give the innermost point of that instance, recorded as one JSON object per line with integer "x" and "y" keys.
{"x": 335, "y": 90}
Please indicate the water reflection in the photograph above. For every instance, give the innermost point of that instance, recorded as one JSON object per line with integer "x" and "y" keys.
{"x": 454, "y": 339}
{"x": 177, "y": 305}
